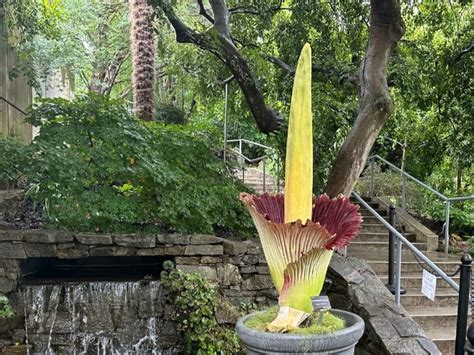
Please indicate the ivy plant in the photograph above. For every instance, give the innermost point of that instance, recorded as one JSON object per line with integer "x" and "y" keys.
{"x": 6, "y": 309}
{"x": 195, "y": 303}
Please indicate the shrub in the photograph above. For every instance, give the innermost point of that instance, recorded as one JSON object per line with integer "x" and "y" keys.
{"x": 96, "y": 167}
{"x": 12, "y": 156}
{"x": 169, "y": 114}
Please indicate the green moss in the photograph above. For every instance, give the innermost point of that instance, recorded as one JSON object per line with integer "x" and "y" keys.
{"x": 330, "y": 323}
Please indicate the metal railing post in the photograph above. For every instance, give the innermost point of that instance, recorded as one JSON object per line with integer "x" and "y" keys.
{"x": 398, "y": 290}
{"x": 404, "y": 193}
{"x": 264, "y": 174}
{"x": 469, "y": 346}
{"x": 391, "y": 247}
{"x": 372, "y": 181}
{"x": 278, "y": 174}
{"x": 446, "y": 227}
{"x": 391, "y": 286}
{"x": 463, "y": 303}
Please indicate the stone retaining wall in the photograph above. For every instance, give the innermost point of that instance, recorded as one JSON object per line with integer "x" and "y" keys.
{"x": 237, "y": 268}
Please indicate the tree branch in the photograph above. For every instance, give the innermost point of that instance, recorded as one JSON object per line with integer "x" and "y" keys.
{"x": 252, "y": 10}
{"x": 353, "y": 79}
{"x": 465, "y": 51}
{"x": 375, "y": 103}
{"x": 203, "y": 12}
{"x": 218, "y": 41}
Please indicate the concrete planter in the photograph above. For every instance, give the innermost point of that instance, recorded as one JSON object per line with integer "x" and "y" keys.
{"x": 341, "y": 342}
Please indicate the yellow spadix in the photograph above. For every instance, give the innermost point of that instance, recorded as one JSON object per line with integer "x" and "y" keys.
{"x": 299, "y": 146}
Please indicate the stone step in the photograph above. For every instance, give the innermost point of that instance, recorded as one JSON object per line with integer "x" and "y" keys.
{"x": 444, "y": 298}
{"x": 412, "y": 266}
{"x": 434, "y": 317}
{"x": 407, "y": 255}
{"x": 372, "y": 220}
{"x": 444, "y": 338}
{"x": 258, "y": 184}
{"x": 369, "y": 236}
{"x": 365, "y": 212}
{"x": 374, "y": 205}
{"x": 378, "y": 246}
{"x": 373, "y": 227}
{"x": 255, "y": 179}
{"x": 413, "y": 281}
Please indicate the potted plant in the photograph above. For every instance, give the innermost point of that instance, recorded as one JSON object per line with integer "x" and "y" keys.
{"x": 299, "y": 234}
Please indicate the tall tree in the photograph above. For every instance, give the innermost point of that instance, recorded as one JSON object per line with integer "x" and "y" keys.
{"x": 143, "y": 58}
{"x": 375, "y": 104}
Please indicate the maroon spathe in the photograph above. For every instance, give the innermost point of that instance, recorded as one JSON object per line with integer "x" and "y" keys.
{"x": 338, "y": 216}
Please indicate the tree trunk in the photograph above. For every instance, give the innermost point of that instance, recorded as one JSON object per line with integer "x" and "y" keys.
{"x": 143, "y": 59}
{"x": 375, "y": 104}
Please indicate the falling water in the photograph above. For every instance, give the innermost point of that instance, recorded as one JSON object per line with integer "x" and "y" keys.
{"x": 94, "y": 318}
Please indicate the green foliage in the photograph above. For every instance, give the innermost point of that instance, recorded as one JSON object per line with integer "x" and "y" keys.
{"x": 329, "y": 323}
{"x": 96, "y": 167}
{"x": 196, "y": 302}
{"x": 12, "y": 155}
{"x": 388, "y": 183}
{"x": 6, "y": 309}
{"x": 86, "y": 39}
{"x": 430, "y": 73}
{"x": 433, "y": 88}
{"x": 169, "y": 114}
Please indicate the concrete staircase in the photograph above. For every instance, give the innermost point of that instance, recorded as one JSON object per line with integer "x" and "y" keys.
{"x": 253, "y": 178}
{"x": 438, "y": 318}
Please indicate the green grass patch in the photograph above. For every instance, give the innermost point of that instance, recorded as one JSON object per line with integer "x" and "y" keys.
{"x": 330, "y": 323}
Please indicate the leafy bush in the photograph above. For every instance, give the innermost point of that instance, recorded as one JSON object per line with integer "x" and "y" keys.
{"x": 12, "y": 155}
{"x": 195, "y": 305}
{"x": 96, "y": 167}
{"x": 169, "y": 114}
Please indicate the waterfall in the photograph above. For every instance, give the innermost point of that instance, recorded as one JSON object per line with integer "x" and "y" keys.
{"x": 94, "y": 318}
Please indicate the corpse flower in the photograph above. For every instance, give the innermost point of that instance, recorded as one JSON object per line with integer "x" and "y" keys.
{"x": 299, "y": 232}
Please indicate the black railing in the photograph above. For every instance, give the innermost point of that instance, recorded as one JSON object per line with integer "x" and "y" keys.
{"x": 13, "y": 105}
{"x": 467, "y": 278}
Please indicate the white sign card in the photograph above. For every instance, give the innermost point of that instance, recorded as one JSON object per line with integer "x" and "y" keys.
{"x": 428, "y": 285}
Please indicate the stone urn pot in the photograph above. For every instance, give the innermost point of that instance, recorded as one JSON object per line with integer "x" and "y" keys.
{"x": 341, "y": 342}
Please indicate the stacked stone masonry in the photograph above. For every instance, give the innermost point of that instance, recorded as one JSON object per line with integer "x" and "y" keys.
{"x": 237, "y": 268}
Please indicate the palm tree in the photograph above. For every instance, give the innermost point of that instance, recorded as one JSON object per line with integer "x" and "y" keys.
{"x": 143, "y": 58}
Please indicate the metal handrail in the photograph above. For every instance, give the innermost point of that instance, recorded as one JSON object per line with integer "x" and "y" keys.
{"x": 413, "y": 249}
{"x": 247, "y": 159}
{"x": 447, "y": 200}
{"x": 249, "y": 142}
{"x": 263, "y": 158}
{"x": 13, "y": 105}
